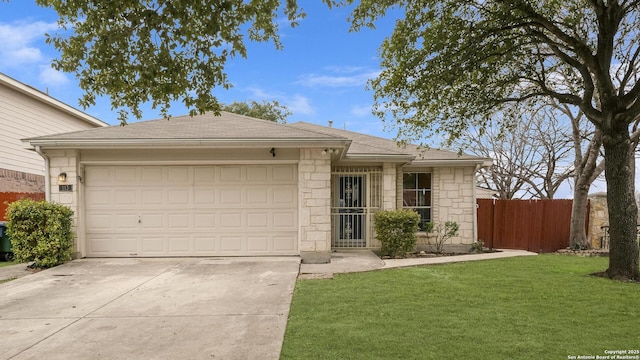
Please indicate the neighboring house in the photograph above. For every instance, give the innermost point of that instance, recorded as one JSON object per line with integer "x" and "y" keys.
{"x": 484, "y": 193}
{"x": 234, "y": 185}
{"x": 26, "y": 112}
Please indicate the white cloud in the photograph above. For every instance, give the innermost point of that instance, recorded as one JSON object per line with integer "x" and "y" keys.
{"x": 299, "y": 105}
{"x": 339, "y": 76}
{"x": 18, "y": 40}
{"x": 51, "y": 77}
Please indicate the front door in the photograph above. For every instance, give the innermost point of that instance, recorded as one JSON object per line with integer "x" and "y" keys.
{"x": 349, "y": 211}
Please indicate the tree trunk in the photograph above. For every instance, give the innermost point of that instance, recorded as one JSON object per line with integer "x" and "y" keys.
{"x": 578, "y": 215}
{"x": 623, "y": 211}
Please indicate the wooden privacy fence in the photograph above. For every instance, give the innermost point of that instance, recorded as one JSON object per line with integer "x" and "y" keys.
{"x": 7, "y": 198}
{"x": 534, "y": 225}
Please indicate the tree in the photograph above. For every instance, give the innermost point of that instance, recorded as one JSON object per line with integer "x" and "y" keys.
{"x": 271, "y": 111}
{"x": 588, "y": 165}
{"x": 160, "y": 51}
{"x": 530, "y": 159}
{"x": 450, "y": 64}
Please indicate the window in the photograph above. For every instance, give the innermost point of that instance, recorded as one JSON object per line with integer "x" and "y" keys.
{"x": 416, "y": 194}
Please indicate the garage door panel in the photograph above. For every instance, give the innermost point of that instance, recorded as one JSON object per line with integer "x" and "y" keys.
{"x": 230, "y": 243}
{"x": 257, "y": 196}
{"x": 126, "y": 244}
{"x": 151, "y": 175}
{"x": 257, "y": 174}
{"x": 179, "y": 175}
{"x": 125, "y": 175}
{"x": 206, "y": 197}
{"x": 284, "y": 243}
{"x": 257, "y": 220}
{"x": 284, "y": 220}
{"x": 205, "y": 221}
{"x": 204, "y": 175}
{"x": 152, "y": 197}
{"x": 179, "y": 222}
{"x": 257, "y": 243}
{"x": 152, "y": 221}
{"x": 179, "y": 244}
{"x": 205, "y": 244}
{"x": 285, "y": 174}
{"x": 230, "y": 174}
{"x": 231, "y": 220}
{"x": 151, "y": 245}
{"x": 191, "y": 210}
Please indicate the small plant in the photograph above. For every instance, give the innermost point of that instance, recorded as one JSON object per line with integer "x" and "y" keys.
{"x": 40, "y": 232}
{"x": 441, "y": 234}
{"x": 396, "y": 231}
{"x": 477, "y": 247}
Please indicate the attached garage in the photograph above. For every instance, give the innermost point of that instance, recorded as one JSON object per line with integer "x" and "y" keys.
{"x": 207, "y": 210}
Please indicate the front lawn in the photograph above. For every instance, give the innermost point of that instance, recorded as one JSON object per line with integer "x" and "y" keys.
{"x": 540, "y": 307}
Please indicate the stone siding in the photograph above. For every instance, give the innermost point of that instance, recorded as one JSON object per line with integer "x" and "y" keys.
{"x": 314, "y": 195}
{"x": 598, "y": 217}
{"x": 67, "y": 161}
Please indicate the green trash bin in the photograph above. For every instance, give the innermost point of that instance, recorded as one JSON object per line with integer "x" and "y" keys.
{"x": 6, "y": 252}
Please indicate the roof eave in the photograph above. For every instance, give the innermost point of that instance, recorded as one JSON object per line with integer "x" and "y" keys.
{"x": 187, "y": 143}
{"x": 401, "y": 158}
{"x": 481, "y": 162}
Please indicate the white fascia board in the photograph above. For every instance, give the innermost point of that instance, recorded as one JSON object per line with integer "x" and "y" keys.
{"x": 40, "y": 96}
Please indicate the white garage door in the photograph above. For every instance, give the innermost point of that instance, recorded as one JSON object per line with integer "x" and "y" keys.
{"x": 191, "y": 210}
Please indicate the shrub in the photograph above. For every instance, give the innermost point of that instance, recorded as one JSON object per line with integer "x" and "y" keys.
{"x": 441, "y": 234}
{"x": 396, "y": 231}
{"x": 477, "y": 247}
{"x": 40, "y": 232}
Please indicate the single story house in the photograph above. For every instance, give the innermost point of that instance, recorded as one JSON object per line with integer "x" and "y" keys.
{"x": 231, "y": 185}
{"x": 27, "y": 112}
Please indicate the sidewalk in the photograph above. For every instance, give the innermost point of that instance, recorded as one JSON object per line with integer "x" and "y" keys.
{"x": 365, "y": 260}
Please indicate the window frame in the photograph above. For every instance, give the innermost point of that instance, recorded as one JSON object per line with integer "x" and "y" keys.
{"x": 417, "y": 189}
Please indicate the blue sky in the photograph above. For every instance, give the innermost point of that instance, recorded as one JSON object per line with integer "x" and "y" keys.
{"x": 319, "y": 75}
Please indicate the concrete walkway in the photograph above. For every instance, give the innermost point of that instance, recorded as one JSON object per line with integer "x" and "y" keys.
{"x": 364, "y": 260}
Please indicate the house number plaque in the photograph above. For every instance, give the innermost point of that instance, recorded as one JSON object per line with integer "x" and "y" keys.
{"x": 65, "y": 188}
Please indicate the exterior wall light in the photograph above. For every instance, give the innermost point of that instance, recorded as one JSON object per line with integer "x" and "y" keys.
{"x": 62, "y": 177}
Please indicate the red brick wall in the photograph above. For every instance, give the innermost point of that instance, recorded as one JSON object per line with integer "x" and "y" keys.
{"x": 15, "y": 181}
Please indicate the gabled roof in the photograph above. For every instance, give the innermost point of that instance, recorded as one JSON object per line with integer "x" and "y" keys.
{"x": 45, "y": 98}
{"x": 368, "y": 146}
{"x": 226, "y": 129}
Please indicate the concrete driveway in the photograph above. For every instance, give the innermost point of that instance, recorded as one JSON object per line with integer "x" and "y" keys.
{"x": 195, "y": 308}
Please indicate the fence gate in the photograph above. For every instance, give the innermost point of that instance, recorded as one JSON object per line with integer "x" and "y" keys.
{"x": 356, "y": 195}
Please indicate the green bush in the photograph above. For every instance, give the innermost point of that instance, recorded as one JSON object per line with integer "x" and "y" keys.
{"x": 396, "y": 231}
{"x": 441, "y": 234}
{"x": 40, "y": 232}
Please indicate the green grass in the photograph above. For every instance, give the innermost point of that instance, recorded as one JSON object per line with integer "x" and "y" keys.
{"x": 7, "y": 263}
{"x": 541, "y": 307}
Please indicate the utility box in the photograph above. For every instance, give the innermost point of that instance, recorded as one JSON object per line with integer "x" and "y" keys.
{"x": 6, "y": 251}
